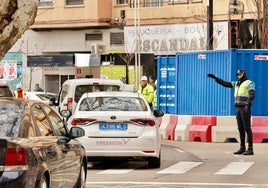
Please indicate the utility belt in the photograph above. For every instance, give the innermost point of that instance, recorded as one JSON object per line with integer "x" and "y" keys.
{"x": 241, "y": 101}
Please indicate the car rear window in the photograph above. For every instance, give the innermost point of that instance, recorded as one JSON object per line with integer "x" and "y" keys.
{"x": 5, "y": 91}
{"x": 46, "y": 96}
{"x": 9, "y": 114}
{"x": 113, "y": 104}
{"x": 81, "y": 89}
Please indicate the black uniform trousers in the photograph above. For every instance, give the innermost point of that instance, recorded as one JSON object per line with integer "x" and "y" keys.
{"x": 243, "y": 118}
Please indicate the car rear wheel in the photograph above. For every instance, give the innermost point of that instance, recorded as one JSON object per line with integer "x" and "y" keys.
{"x": 44, "y": 182}
{"x": 154, "y": 162}
{"x": 81, "y": 182}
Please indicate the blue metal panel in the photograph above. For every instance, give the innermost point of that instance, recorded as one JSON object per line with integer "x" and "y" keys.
{"x": 167, "y": 84}
{"x": 199, "y": 95}
{"x": 255, "y": 63}
{"x": 195, "y": 94}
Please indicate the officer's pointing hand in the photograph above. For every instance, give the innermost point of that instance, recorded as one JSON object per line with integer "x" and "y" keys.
{"x": 211, "y": 76}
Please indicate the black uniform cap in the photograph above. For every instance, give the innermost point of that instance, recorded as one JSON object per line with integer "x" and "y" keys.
{"x": 240, "y": 72}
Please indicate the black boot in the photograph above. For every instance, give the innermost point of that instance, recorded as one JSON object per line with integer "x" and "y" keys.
{"x": 240, "y": 151}
{"x": 249, "y": 151}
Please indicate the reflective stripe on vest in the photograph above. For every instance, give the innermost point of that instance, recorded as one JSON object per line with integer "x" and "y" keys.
{"x": 241, "y": 92}
{"x": 16, "y": 94}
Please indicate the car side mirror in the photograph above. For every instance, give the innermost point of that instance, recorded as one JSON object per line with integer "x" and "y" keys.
{"x": 53, "y": 102}
{"x": 158, "y": 113}
{"x": 76, "y": 132}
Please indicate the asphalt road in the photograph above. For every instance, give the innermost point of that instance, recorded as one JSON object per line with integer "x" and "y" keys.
{"x": 186, "y": 164}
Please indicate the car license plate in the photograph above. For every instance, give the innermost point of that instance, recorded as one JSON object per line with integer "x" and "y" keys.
{"x": 113, "y": 126}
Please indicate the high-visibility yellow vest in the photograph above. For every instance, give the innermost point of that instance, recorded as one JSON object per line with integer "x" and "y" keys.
{"x": 147, "y": 92}
{"x": 241, "y": 92}
{"x": 16, "y": 94}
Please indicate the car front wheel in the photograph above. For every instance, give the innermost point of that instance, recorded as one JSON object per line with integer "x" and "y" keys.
{"x": 81, "y": 182}
{"x": 44, "y": 182}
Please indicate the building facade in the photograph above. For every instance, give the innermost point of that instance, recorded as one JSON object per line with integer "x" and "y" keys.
{"x": 91, "y": 30}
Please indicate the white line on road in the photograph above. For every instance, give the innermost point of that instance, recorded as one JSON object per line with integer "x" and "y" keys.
{"x": 179, "y": 168}
{"x": 116, "y": 171}
{"x": 179, "y": 150}
{"x": 174, "y": 183}
{"x": 235, "y": 168}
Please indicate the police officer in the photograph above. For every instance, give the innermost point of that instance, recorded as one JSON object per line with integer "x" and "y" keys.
{"x": 244, "y": 93}
{"x": 146, "y": 90}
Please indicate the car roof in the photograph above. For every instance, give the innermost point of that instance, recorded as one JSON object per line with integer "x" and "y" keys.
{"x": 40, "y": 92}
{"x": 112, "y": 93}
{"x": 82, "y": 81}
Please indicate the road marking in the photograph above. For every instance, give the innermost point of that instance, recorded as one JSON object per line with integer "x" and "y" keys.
{"x": 179, "y": 168}
{"x": 116, "y": 171}
{"x": 235, "y": 168}
{"x": 179, "y": 150}
{"x": 173, "y": 183}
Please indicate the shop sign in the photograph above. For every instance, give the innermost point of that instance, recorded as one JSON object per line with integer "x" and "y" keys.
{"x": 170, "y": 39}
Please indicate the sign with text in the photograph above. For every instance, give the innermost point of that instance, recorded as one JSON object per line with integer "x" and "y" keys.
{"x": 170, "y": 39}
{"x": 8, "y": 69}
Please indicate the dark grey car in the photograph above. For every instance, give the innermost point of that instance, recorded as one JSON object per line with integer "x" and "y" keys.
{"x": 36, "y": 148}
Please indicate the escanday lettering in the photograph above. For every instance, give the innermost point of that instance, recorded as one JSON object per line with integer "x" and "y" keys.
{"x": 177, "y": 44}
{"x": 169, "y": 39}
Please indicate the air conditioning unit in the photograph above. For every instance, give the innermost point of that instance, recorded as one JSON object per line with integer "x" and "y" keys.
{"x": 97, "y": 49}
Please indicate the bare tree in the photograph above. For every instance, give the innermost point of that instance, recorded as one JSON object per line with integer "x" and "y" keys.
{"x": 262, "y": 18}
{"x": 127, "y": 58}
{"x": 15, "y": 18}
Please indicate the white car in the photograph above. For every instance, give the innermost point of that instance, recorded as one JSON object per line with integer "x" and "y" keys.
{"x": 44, "y": 97}
{"x": 73, "y": 89}
{"x": 118, "y": 124}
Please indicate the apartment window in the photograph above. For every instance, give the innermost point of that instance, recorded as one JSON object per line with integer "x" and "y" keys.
{"x": 117, "y": 38}
{"x": 185, "y": 1}
{"x": 74, "y": 2}
{"x": 93, "y": 36}
{"x": 154, "y": 3}
{"x": 45, "y": 3}
{"x": 119, "y": 2}
{"x": 178, "y": 1}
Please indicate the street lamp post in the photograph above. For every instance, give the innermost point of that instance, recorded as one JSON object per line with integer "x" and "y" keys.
{"x": 209, "y": 24}
{"x": 137, "y": 41}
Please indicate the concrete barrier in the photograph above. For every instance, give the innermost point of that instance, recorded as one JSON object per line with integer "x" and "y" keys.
{"x": 182, "y": 128}
{"x": 200, "y": 129}
{"x": 170, "y": 129}
{"x": 260, "y": 128}
{"x": 226, "y": 130}
{"x": 163, "y": 125}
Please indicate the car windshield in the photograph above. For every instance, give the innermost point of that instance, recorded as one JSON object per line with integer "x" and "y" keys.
{"x": 9, "y": 114}
{"x": 81, "y": 89}
{"x": 113, "y": 104}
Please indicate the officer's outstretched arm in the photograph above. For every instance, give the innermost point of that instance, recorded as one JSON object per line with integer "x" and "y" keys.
{"x": 220, "y": 81}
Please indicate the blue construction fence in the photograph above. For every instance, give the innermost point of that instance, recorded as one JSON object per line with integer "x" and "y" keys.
{"x": 184, "y": 88}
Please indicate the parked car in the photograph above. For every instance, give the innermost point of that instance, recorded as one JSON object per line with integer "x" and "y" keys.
{"x": 118, "y": 124}
{"x": 73, "y": 89}
{"x": 6, "y": 91}
{"x": 37, "y": 149}
{"x": 44, "y": 97}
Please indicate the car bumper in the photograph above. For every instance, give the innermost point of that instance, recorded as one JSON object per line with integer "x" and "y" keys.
{"x": 121, "y": 147}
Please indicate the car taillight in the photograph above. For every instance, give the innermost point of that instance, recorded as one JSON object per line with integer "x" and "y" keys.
{"x": 145, "y": 121}
{"x": 70, "y": 104}
{"x": 81, "y": 121}
{"x": 16, "y": 159}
